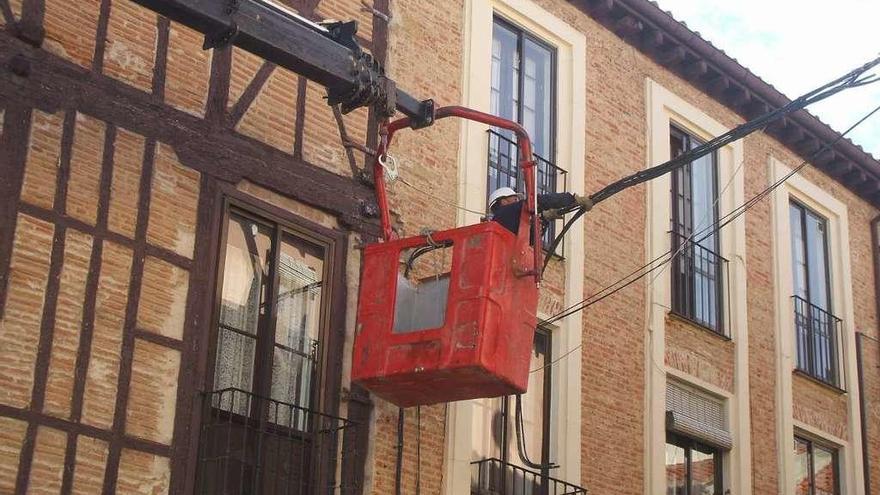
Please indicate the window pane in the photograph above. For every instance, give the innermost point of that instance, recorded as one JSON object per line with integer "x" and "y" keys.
{"x": 697, "y": 269}
{"x": 824, "y": 471}
{"x": 816, "y": 261}
{"x": 505, "y": 73}
{"x": 248, "y": 249}
{"x": 798, "y": 254}
{"x": 676, "y": 470}
{"x": 702, "y": 472}
{"x": 703, "y": 200}
{"x": 297, "y": 320}
{"x": 538, "y": 96}
{"x": 801, "y": 467}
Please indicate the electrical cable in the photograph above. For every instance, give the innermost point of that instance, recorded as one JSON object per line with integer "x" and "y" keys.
{"x": 669, "y": 255}
{"x": 521, "y": 442}
{"x": 711, "y": 229}
{"x": 418, "y": 450}
{"x": 398, "y": 470}
{"x": 850, "y": 80}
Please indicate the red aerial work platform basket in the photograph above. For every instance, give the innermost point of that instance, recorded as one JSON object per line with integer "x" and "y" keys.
{"x": 463, "y": 334}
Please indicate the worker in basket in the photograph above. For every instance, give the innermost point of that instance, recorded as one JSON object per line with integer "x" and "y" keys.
{"x": 505, "y": 206}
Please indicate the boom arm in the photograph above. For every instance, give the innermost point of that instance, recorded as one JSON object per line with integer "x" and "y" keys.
{"x": 326, "y": 54}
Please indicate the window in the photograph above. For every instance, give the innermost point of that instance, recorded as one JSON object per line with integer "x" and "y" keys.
{"x": 523, "y": 90}
{"x": 261, "y": 430}
{"x": 815, "y": 469}
{"x": 270, "y": 315}
{"x": 697, "y": 270}
{"x": 691, "y": 468}
{"x": 498, "y": 465}
{"x": 815, "y": 326}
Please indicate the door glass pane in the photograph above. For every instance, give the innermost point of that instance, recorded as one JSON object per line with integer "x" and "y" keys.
{"x": 242, "y": 304}
{"x": 824, "y": 471}
{"x": 801, "y": 467}
{"x": 538, "y": 96}
{"x": 676, "y": 470}
{"x": 297, "y": 321}
{"x": 816, "y": 261}
{"x": 702, "y": 472}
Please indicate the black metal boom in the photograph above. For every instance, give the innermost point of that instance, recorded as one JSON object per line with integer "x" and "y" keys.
{"x": 327, "y": 54}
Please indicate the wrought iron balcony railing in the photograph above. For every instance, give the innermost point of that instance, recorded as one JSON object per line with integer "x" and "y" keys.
{"x": 817, "y": 337}
{"x": 504, "y": 172}
{"x": 698, "y": 285}
{"x": 496, "y": 477}
{"x": 257, "y": 445}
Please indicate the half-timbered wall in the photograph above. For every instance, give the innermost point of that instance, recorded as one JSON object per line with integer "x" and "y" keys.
{"x": 121, "y": 138}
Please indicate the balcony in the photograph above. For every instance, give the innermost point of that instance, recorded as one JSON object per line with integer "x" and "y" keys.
{"x": 817, "y": 334}
{"x": 496, "y": 477}
{"x": 699, "y": 275}
{"x": 257, "y": 445}
{"x": 503, "y": 163}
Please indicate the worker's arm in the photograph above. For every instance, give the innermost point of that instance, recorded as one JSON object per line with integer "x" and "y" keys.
{"x": 554, "y": 201}
{"x": 550, "y": 204}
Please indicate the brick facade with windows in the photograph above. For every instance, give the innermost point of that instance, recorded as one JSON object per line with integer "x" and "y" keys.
{"x": 124, "y": 143}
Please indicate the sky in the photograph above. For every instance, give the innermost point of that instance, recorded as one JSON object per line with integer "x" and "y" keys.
{"x": 797, "y": 46}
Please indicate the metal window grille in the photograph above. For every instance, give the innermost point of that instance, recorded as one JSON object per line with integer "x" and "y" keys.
{"x": 699, "y": 276}
{"x": 496, "y": 477}
{"x": 274, "y": 448}
{"x": 503, "y": 167}
{"x": 816, "y": 339}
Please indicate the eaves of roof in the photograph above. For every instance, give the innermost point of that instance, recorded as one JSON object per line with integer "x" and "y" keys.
{"x": 673, "y": 45}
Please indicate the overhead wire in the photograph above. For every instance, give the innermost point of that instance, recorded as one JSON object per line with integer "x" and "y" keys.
{"x": 852, "y": 79}
{"x": 668, "y": 256}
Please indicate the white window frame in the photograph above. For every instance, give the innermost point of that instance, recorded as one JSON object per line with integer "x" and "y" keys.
{"x": 664, "y": 108}
{"x": 812, "y": 196}
{"x": 571, "y": 117}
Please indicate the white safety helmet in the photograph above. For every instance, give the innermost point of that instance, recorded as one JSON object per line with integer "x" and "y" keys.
{"x": 501, "y": 192}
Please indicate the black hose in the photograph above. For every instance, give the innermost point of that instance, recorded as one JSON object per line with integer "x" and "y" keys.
{"x": 398, "y": 472}
{"x": 521, "y": 441}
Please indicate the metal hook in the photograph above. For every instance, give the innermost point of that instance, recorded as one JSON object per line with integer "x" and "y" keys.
{"x": 389, "y": 163}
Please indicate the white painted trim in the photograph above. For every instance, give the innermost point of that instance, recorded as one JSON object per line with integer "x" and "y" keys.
{"x": 835, "y": 211}
{"x": 571, "y": 59}
{"x": 663, "y": 109}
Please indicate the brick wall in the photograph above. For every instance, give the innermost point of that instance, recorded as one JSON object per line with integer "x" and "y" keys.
{"x": 98, "y": 321}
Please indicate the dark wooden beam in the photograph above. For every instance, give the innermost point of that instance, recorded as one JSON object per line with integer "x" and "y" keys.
{"x": 825, "y": 157}
{"x": 794, "y": 133}
{"x": 628, "y": 26}
{"x": 854, "y": 178}
{"x": 779, "y": 126}
{"x": 250, "y": 93}
{"x": 695, "y": 68}
{"x": 738, "y": 96}
{"x": 839, "y": 168}
{"x": 808, "y": 145}
{"x": 672, "y": 55}
{"x": 756, "y": 108}
{"x": 870, "y": 187}
{"x": 8, "y": 15}
{"x": 652, "y": 39}
{"x": 719, "y": 84}
{"x": 601, "y": 7}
